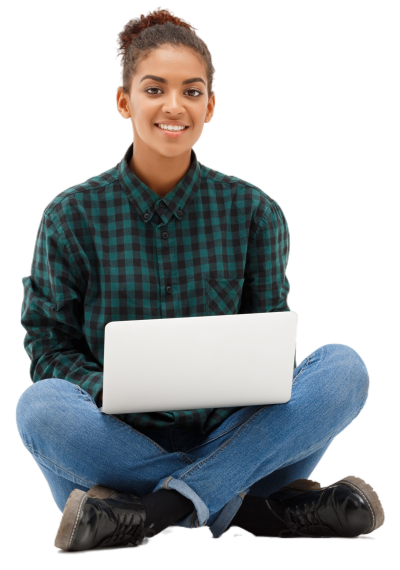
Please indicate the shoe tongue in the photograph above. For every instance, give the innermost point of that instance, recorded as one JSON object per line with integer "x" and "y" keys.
{"x": 303, "y": 485}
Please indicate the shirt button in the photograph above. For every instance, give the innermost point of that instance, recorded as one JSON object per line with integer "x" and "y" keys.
{"x": 146, "y": 216}
{"x": 168, "y": 289}
{"x": 180, "y": 213}
{"x": 163, "y": 204}
{"x": 165, "y": 235}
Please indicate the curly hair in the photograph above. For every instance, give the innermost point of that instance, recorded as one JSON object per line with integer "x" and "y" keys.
{"x": 142, "y": 35}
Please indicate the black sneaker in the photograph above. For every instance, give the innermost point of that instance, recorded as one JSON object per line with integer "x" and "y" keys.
{"x": 102, "y": 518}
{"x": 347, "y": 508}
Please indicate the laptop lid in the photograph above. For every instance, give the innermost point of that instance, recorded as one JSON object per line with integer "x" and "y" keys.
{"x": 198, "y": 362}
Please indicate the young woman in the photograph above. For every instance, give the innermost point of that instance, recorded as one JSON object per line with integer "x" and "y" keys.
{"x": 160, "y": 235}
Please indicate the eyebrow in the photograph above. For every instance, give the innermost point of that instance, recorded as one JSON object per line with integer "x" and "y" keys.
{"x": 162, "y": 80}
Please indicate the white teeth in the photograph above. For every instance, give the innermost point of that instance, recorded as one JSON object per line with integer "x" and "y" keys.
{"x": 172, "y": 127}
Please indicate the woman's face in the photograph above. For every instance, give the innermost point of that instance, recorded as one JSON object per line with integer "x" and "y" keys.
{"x": 165, "y": 97}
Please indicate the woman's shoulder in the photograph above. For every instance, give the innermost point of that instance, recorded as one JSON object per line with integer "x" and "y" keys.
{"x": 219, "y": 182}
{"x": 75, "y": 192}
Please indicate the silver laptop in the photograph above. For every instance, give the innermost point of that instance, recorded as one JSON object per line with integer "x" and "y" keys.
{"x": 198, "y": 362}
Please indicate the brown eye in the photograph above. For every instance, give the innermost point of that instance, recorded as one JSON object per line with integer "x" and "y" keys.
{"x": 197, "y": 91}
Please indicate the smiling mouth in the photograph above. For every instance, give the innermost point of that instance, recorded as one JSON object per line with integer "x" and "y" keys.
{"x": 171, "y": 130}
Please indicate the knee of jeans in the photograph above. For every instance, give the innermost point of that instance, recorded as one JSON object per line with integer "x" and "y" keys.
{"x": 37, "y": 404}
{"x": 354, "y": 373}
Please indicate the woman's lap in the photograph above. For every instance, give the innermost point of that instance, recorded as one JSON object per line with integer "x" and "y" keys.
{"x": 329, "y": 389}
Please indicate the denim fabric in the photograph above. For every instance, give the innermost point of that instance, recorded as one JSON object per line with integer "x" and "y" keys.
{"x": 256, "y": 450}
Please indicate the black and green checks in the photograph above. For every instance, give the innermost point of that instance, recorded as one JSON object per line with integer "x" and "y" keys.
{"x": 111, "y": 249}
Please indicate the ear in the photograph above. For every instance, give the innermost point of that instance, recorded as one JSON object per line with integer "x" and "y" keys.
{"x": 210, "y": 108}
{"x": 123, "y": 103}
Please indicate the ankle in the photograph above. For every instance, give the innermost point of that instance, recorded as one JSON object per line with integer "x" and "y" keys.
{"x": 165, "y": 507}
{"x": 256, "y": 517}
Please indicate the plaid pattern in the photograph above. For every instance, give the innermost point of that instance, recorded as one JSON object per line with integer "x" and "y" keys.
{"x": 111, "y": 249}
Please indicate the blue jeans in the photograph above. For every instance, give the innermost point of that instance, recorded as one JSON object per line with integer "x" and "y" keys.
{"x": 256, "y": 450}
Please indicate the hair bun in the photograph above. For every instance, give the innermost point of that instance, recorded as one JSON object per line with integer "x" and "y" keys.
{"x": 159, "y": 16}
{"x": 137, "y": 25}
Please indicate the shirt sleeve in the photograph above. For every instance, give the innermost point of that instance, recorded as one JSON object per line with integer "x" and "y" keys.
{"x": 52, "y": 312}
{"x": 266, "y": 286}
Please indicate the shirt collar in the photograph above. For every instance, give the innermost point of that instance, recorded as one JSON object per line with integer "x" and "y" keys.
{"x": 146, "y": 202}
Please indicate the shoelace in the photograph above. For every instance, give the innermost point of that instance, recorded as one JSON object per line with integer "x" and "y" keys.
{"x": 128, "y": 532}
{"x": 294, "y": 523}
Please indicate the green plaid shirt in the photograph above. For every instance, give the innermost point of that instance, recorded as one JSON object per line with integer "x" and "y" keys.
{"x": 111, "y": 249}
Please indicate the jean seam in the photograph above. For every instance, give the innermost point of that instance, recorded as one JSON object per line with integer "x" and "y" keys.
{"x": 81, "y": 481}
{"x": 301, "y": 371}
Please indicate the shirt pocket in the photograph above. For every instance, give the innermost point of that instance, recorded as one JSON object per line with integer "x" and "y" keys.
{"x": 223, "y": 295}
